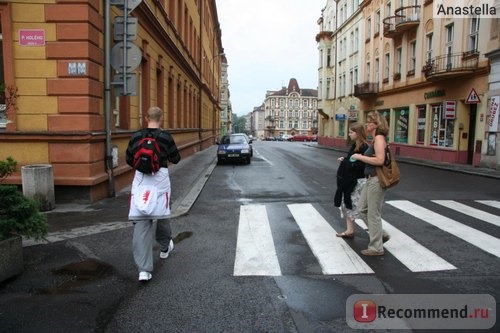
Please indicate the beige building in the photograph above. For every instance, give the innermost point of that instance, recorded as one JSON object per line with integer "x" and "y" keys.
{"x": 428, "y": 75}
{"x": 339, "y": 44}
{"x": 291, "y": 111}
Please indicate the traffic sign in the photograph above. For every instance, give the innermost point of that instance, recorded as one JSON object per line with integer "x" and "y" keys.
{"x": 125, "y": 85}
{"x": 473, "y": 97}
{"x": 125, "y": 60}
{"x": 119, "y": 28}
{"x": 131, "y": 4}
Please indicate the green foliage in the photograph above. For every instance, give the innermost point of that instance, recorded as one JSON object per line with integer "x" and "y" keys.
{"x": 19, "y": 215}
{"x": 7, "y": 167}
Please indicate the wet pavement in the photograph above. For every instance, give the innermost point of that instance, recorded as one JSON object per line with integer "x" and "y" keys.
{"x": 67, "y": 284}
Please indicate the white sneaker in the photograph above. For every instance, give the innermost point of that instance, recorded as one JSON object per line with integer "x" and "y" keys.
{"x": 164, "y": 255}
{"x": 145, "y": 276}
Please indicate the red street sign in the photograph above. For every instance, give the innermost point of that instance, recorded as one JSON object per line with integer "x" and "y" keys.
{"x": 473, "y": 97}
{"x": 31, "y": 37}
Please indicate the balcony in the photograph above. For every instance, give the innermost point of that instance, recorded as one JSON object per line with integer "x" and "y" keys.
{"x": 404, "y": 19}
{"x": 366, "y": 89}
{"x": 451, "y": 65}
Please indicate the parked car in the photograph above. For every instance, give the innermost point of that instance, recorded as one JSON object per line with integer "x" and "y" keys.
{"x": 302, "y": 137}
{"x": 235, "y": 147}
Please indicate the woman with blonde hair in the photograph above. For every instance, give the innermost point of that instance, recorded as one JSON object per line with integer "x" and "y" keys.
{"x": 372, "y": 195}
{"x": 350, "y": 179}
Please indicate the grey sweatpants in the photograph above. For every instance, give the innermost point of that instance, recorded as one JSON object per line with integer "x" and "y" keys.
{"x": 142, "y": 241}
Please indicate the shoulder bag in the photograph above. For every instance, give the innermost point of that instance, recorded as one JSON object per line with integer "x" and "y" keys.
{"x": 388, "y": 174}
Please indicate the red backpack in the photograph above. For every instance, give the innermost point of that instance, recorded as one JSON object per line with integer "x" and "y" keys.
{"x": 147, "y": 154}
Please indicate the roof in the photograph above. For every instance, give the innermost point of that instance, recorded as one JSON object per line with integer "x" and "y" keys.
{"x": 293, "y": 86}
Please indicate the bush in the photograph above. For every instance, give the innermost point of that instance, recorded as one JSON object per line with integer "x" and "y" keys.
{"x": 19, "y": 215}
{"x": 7, "y": 167}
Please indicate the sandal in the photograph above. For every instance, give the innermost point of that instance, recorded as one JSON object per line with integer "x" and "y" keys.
{"x": 345, "y": 235}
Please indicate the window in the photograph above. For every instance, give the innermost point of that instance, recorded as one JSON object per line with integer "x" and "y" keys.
{"x": 399, "y": 56}
{"x": 429, "y": 47}
{"x": 368, "y": 28}
{"x": 474, "y": 34}
{"x": 421, "y": 124}
{"x": 377, "y": 70}
{"x": 377, "y": 23}
{"x": 387, "y": 65}
{"x": 401, "y": 125}
{"x": 449, "y": 45}
{"x": 327, "y": 88}
{"x": 328, "y": 57}
{"x": 368, "y": 72}
{"x": 413, "y": 55}
{"x": 442, "y": 128}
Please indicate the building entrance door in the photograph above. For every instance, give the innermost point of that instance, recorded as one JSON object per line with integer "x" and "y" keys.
{"x": 472, "y": 132}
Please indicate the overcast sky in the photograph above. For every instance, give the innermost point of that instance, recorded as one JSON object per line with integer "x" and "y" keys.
{"x": 268, "y": 42}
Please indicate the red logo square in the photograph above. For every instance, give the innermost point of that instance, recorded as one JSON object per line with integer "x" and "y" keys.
{"x": 365, "y": 311}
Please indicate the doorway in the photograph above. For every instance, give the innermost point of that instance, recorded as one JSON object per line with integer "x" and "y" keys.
{"x": 472, "y": 132}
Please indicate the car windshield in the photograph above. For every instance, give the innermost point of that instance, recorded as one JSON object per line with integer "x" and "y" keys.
{"x": 238, "y": 139}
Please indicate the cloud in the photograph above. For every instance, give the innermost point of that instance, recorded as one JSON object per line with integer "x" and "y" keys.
{"x": 266, "y": 44}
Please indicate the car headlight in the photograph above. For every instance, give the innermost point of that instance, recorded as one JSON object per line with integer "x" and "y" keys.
{"x": 244, "y": 151}
{"x": 221, "y": 152}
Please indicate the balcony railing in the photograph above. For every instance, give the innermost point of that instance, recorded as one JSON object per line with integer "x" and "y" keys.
{"x": 404, "y": 19}
{"x": 449, "y": 65}
{"x": 366, "y": 89}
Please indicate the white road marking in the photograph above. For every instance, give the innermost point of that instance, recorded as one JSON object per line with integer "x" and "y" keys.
{"x": 491, "y": 203}
{"x": 471, "y": 211}
{"x": 475, "y": 237}
{"x": 255, "y": 251}
{"x": 409, "y": 252}
{"x": 335, "y": 256}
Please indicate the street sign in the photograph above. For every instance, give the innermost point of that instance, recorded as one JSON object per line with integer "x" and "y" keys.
{"x": 119, "y": 28}
{"x": 125, "y": 86}
{"x": 131, "y": 4}
{"x": 125, "y": 61}
{"x": 473, "y": 97}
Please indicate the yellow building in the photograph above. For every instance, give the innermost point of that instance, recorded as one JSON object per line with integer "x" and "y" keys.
{"x": 428, "y": 75}
{"x": 68, "y": 110}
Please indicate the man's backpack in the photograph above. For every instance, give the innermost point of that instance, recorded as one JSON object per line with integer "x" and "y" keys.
{"x": 147, "y": 154}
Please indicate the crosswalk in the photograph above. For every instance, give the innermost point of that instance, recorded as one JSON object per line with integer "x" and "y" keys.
{"x": 257, "y": 254}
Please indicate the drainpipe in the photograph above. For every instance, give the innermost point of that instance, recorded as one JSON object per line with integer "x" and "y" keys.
{"x": 108, "y": 159}
{"x": 200, "y": 107}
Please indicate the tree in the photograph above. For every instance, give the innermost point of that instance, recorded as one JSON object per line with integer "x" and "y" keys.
{"x": 239, "y": 124}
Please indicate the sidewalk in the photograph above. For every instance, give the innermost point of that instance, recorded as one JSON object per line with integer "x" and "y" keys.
{"x": 187, "y": 177}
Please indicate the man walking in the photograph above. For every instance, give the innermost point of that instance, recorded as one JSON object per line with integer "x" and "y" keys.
{"x": 150, "y": 195}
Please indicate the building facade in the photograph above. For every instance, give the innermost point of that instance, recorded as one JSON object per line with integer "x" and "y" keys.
{"x": 291, "y": 111}
{"x": 429, "y": 77}
{"x": 69, "y": 114}
{"x": 339, "y": 44}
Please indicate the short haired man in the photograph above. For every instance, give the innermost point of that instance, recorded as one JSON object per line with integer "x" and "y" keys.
{"x": 152, "y": 190}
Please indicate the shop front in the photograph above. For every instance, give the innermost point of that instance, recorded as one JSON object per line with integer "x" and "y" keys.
{"x": 443, "y": 123}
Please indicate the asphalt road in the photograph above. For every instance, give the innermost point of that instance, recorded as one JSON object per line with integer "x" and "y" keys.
{"x": 219, "y": 279}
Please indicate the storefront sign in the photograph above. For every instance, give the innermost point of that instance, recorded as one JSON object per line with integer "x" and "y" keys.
{"x": 353, "y": 115}
{"x": 493, "y": 121}
{"x": 450, "y": 109}
{"x": 31, "y": 37}
{"x": 435, "y": 127}
{"x": 435, "y": 93}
